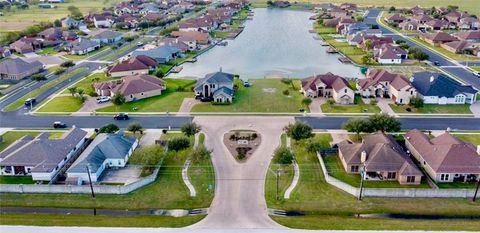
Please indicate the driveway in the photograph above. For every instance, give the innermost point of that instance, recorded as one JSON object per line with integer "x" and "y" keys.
{"x": 315, "y": 105}
{"x": 149, "y": 137}
{"x": 239, "y": 200}
{"x": 125, "y": 175}
{"x": 475, "y": 109}
{"x": 91, "y": 104}
{"x": 384, "y": 106}
{"x": 187, "y": 105}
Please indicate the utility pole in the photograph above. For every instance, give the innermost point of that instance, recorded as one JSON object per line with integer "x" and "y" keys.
{"x": 361, "y": 183}
{"x": 276, "y": 189}
{"x": 476, "y": 190}
{"x": 91, "y": 188}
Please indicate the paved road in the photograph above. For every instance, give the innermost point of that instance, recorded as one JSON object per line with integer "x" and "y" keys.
{"x": 446, "y": 65}
{"x": 239, "y": 200}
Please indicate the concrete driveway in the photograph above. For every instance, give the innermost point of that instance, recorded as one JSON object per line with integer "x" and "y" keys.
{"x": 239, "y": 200}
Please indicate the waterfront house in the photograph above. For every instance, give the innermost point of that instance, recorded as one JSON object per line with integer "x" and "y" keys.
{"x": 162, "y": 54}
{"x": 218, "y": 86}
{"x": 381, "y": 158}
{"x": 135, "y": 65}
{"x": 134, "y": 87}
{"x": 16, "y": 69}
{"x": 328, "y": 86}
{"x": 389, "y": 54}
{"x": 381, "y": 83}
{"x": 436, "y": 88}
{"x": 445, "y": 158}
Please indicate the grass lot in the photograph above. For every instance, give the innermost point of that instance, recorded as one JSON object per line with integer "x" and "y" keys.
{"x": 11, "y": 136}
{"x": 170, "y": 100}
{"x": 62, "y": 104}
{"x": 434, "y": 108}
{"x": 202, "y": 174}
{"x": 358, "y": 107}
{"x": 126, "y": 46}
{"x": 47, "y": 51}
{"x": 17, "y": 19}
{"x": 86, "y": 83}
{"x": 348, "y": 223}
{"x": 476, "y": 68}
{"x": 97, "y": 221}
{"x": 472, "y": 138}
{"x": 352, "y": 52}
{"x": 16, "y": 180}
{"x": 265, "y": 95}
{"x": 38, "y": 91}
{"x": 167, "y": 192}
{"x": 335, "y": 169}
{"x": 317, "y": 198}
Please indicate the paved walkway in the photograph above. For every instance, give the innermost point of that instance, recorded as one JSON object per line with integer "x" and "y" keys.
{"x": 338, "y": 136}
{"x": 149, "y": 137}
{"x": 187, "y": 105}
{"x": 296, "y": 177}
{"x": 315, "y": 105}
{"x": 475, "y": 109}
{"x": 384, "y": 107}
{"x": 186, "y": 180}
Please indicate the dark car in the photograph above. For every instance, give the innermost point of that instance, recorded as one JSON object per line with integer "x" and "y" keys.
{"x": 205, "y": 99}
{"x": 437, "y": 63}
{"x": 30, "y": 101}
{"x": 59, "y": 124}
{"x": 121, "y": 116}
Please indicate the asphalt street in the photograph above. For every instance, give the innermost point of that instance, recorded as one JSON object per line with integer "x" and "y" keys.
{"x": 445, "y": 64}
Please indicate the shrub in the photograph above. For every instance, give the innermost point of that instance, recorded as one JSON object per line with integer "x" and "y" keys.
{"x": 149, "y": 157}
{"x": 313, "y": 146}
{"x": 178, "y": 143}
{"x": 59, "y": 71}
{"x": 93, "y": 94}
{"x": 135, "y": 127}
{"x": 286, "y": 81}
{"x": 110, "y": 128}
{"x": 254, "y": 136}
{"x": 38, "y": 77}
{"x": 283, "y": 156}
{"x": 200, "y": 153}
{"x": 286, "y": 92}
{"x": 373, "y": 102}
{"x": 68, "y": 63}
{"x": 299, "y": 131}
{"x": 416, "y": 102}
{"x": 408, "y": 109}
{"x": 330, "y": 102}
{"x": 190, "y": 129}
{"x": 159, "y": 73}
{"x": 118, "y": 99}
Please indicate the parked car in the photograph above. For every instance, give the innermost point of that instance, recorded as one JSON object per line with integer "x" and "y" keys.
{"x": 140, "y": 44}
{"x": 30, "y": 101}
{"x": 121, "y": 116}
{"x": 205, "y": 99}
{"x": 246, "y": 83}
{"x": 476, "y": 74}
{"x": 59, "y": 124}
{"x": 436, "y": 63}
{"x": 103, "y": 99}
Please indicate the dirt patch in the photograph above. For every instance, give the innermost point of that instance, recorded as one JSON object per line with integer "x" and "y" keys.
{"x": 15, "y": 26}
{"x": 241, "y": 143}
{"x": 269, "y": 90}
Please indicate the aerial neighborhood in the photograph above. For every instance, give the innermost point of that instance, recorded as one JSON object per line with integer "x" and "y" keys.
{"x": 253, "y": 115}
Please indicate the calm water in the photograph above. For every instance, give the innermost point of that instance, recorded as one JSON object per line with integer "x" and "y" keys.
{"x": 275, "y": 43}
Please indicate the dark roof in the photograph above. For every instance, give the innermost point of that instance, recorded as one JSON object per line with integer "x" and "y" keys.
{"x": 107, "y": 35}
{"x": 18, "y": 66}
{"x": 436, "y": 84}
{"x": 217, "y": 77}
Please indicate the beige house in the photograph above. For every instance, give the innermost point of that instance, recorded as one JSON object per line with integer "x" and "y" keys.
{"x": 381, "y": 83}
{"x": 445, "y": 158}
{"x": 134, "y": 87}
{"x": 381, "y": 157}
{"x": 330, "y": 86}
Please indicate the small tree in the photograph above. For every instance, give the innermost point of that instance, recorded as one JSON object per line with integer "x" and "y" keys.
{"x": 190, "y": 129}
{"x": 384, "y": 122}
{"x": 200, "y": 153}
{"x": 38, "y": 77}
{"x": 72, "y": 90}
{"x": 109, "y": 128}
{"x": 80, "y": 92}
{"x": 283, "y": 156}
{"x": 356, "y": 126}
{"x": 178, "y": 143}
{"x": 118, "y": 99}
{"x": 416, "y": 102}
{"x": 299, "y": 131}
{"x": 392, "y": 9}
{"x": 57, "y": 23}
{"x": 306, "y": 101}
{"x": 313, "y": 146}
{"x": 135, "y": 127}
{"x": 68, "y": 63}
{"x": 369, "y": 44}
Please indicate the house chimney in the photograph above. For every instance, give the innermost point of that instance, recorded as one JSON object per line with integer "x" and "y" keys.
{"x": 363, "y": 156}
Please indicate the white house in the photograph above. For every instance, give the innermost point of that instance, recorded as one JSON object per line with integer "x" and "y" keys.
{"x": 218, "y": 86}
{"x": 328, "y": 85}
{"x": 435, "y": 88}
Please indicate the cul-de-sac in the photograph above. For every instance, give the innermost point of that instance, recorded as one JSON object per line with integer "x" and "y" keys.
{"x": 239, "y": 116}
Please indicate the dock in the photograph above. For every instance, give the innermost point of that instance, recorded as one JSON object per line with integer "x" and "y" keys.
{"x": 345, "y": 60}
{"x": 331, "y": 50}
{"x": 176, "y": 69}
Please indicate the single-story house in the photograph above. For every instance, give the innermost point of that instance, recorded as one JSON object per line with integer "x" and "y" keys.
{"x": 134, "y": 87}
{"x": 102, "y": 21}
{"x": 381, "y": 83}
{"x": 82, "y": 46}
{"x": 389, "y": 54}
{"x": 200, "y": 37}
{"x": 218, "y": 86}
{"x": 70, "y": 23}
{"x": 436, "y": 24}
{"x": 5, "y": 52}
{"x": 41, "y": 157}
{"x": 162, "y": 54}
{"x": 381, "y": 158}
{"x": 437, "y": 38}
{"x": 470, "y": 36}
{"x": 16, "y": 69}
{"x": 395, "y": 18}
{"x": 26, "y": 45}
{"x": 135, "y": 65}
{"x": 436, "y": 88}
{"x": 328, "y": 85}
{"x": 445, "y": 158}
{"x": 107, "y": 37}
{"x": 105, "y": 151}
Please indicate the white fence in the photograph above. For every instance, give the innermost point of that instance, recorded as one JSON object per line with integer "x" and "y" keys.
{"x": 394, "y": 192}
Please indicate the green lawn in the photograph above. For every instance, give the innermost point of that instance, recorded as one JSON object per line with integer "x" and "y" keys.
{"x": 358, "y": 107}
{"x": 47, "y": 51}
{"x": 476, "y": 68}
{"x": 169, "y": 101}
{"x": 81, "y": 57}
{"x": 16, "y": 180}
{"x": 126, "y": 46}
{"x": 86, "y": 83}
{"x": 62, "y": 104}
{"x": 353, "y": 52}
{"x": 265, "y": 95}
{"x": 202, "y": 174}
{"x": 97, "y": 221}
{"x": 434, "y": 108}
{"x": 472, "y": 138}
{"x": 20, "y": 102}
{"x": 457, "y": 185}
{"x": 11, "y": 136}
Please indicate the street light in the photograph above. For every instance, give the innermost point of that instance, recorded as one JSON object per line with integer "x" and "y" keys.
{"x": 91, "y": 188}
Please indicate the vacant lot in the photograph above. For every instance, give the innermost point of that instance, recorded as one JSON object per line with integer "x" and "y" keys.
{"x": 62, "y": 104}
{"x": 265, "y": 95}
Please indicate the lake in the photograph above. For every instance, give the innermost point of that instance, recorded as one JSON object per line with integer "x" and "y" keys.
{"x": 275, "y": 43}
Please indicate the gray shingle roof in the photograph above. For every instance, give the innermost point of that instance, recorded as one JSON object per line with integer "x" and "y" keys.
{"x": 18, "y": 66}
{"x": 104, "y": 146}
{"x": 223, "y": 90}
{"x": 107, "y": 35}
{"x": 440, "y": 85}
{"x": 216, "y": 78}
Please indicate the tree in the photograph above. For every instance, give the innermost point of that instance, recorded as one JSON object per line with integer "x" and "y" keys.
{"x": 299, "y": 131}
{"x": 68, "y": 63}
{"x": 283, "y": 156}
{"x": 357, "y": 126}
{"x": 72, "y": 90}
{"x": 369, "y": 44}
{"x": 118, "y": 99}
{"x": 159, "y": 73}
{"x": 416, "y": 102}
{"x": 57, "y": 23}
{"x": 75, "y": 12}
{"x": 417, "y": 53}
{"x": 80, "y": 92}
{"x": 313, "y": 146}
{"x": 135, "y": 127}
{"x": 384, "y": 122}
{"x": 178, "y": 143}
{"x": 306, "y": 101}
{"x": 109, "y": 128}
{"x": 148, "y": 157}
{"x": 190, "y": 129}
{"x": 368, "y": 58}
{"x": 392, "y": 9}
{"x": 38, "y": 77}
{"x": 200, "y": 153}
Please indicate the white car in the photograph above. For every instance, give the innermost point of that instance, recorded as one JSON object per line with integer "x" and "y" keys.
{"x": 476, "y": 74}
{"x": 103, "y": 99}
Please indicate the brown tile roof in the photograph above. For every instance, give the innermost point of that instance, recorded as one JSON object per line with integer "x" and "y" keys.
{"x": 445, "y": 153}
{"x": 440, "y": 37}
{"x": 138, "y": 83}
{"x": 330, "y": 80}
{"x": 468, "y": 35}
{"x": 374, "y": 76}
{"x": 200, "y": 37}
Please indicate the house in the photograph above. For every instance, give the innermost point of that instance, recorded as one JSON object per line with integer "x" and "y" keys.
{"x": 356, "y": 27}
{"x": 105, "y": 151}
{"x": 416, "y": 10}
{"x": 183, "y": 43}
{"x": 102, "y": 21}
{"x": 389, "y": 54}
{"x": 381, "y": 158}
{"x": 133, "y": 87}
{"x": 421, "y": 19}
{"x": 26, "y": 45}
{"x": 53, "y": 34}
{"x": 381, "y": 83}
{"x": 5, "y": 52}
{"x": 16, "y": 69}
{"x": 436, "y": 25}
{"x": 463, "y": 47}
{"x": 437, "y": 38}
{"x": 162, "y": 54}
{"x": 281, "y": 4}
{"x": 202, "y": 24}
{"x": 445, "y": 158}
{"x": 107, "y": 37}
{"x": 470, "y": 36}
{"x": 82, "y": 46}
{"x": 436, "y": 88}
{"x": 70, "y": 23}
{"x": 411, "y": 26}
{"x": 149, "y": 8}
{"x": 200, "y": 37}
{"x": 41, "y": 157}
{"x": 395, "y": 19}
{"x": 328, "y": 85}
{"x": 468, "y": 23}
{"x": 218, "y": 86}
{"x": 135, "y": 65}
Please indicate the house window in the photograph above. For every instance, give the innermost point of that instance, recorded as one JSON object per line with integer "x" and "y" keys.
{"x": 444, "y": 177}
{"x": 411, "y": 92}
{"x": 354, "y": 169}
{"x": 346, "y": 90}
{"x": 119, "y": 162}
{"x": 391, "y": 175}
{"x": 29, "y": 170}
{"x": 410, "y": 179}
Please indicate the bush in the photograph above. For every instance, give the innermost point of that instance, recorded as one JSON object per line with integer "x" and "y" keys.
{"x": 38, "y": 77}
{"x": 330, "y": 102}
{"x": 118, "y": 99}
{"x": 283, "y": 156}
{"x": 59, "y": 71}
{"x": 418, "y": 54}
{"x": 200, "y": 153}
{"x": 159, "y": 73}
{"x": 110, "y": 128}
{"x": 68, "y": 63}
{"x": 135, "y": 127}
{"x": 313, "y": 146}
{"x": 408, "y": 109}
{"x": 190, "y": 129}
{"x": 416, "y": 102}
{"x": 286, "y": 81}
{"x": 299, "y": 131}
{"x": 286, "y": 92}
{"x": 149, "y": 157}
{"x": 93, "y": 94}
{"x": 179, "y": 143}
{"x": 373, "y": 102}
